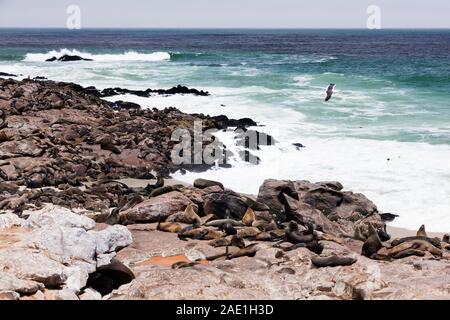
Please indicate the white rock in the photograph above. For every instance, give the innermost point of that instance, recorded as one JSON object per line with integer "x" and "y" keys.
{"x": 67, "y": 243}
{"x": 9, "y": 220}
{"x": 27, "y": 264}
{"x": 90, "y": 294}
{"x": 112, "y": 238}
{"x": 9, "y": 295}
{"x": 105, "y": 259}
{"x": 55, "y": 215}
{"x": 9, "y": 282}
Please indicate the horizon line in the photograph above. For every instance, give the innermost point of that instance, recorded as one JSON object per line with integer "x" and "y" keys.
{"x": 230, "y": 28}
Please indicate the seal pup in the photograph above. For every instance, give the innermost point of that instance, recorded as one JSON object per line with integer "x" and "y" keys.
{"x": 422, "y": 232}
{"x": 330, "y": 91}
{"x": 372, "y": 244}
{"x": 332, "y": 261}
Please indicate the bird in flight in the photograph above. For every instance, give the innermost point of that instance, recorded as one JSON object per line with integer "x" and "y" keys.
{"x": 330, "y": 91}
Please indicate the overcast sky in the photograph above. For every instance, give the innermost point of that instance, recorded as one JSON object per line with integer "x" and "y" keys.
{"x": 226, "y": 13}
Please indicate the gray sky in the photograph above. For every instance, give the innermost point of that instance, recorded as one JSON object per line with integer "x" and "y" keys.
{"x": 226, "y": 13}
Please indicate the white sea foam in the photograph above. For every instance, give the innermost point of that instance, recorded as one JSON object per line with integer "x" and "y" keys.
{"x": 126, "y": 56}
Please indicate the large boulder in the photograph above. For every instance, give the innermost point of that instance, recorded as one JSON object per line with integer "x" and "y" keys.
{"x": 225, "y": 205}
{"x": 270, "y": 194}
{"x": 156, "y": 209}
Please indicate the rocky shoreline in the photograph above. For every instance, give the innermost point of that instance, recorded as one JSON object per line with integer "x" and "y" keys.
{"x": 72, "y": 228}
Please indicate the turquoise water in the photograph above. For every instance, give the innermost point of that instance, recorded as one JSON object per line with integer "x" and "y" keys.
{"x": 385, "y": 132}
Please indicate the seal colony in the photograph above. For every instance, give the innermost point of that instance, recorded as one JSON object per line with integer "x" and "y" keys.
{"x": 61, "y": 146}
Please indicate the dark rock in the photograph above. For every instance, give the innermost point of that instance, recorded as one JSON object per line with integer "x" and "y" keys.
{"x": 224, "y": 206}
{"x": 51, "y": 59}
{"x": 298, "y": 146}
{"x": 68, "y": 58}
{"x": 118, "y": 105}
{"x": 4, "y": 74}
{"x": 388, "y": 216}
{"x": 270, "y": 194}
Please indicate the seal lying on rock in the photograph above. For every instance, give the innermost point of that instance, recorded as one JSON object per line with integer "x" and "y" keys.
{"x": 332, "y": 261}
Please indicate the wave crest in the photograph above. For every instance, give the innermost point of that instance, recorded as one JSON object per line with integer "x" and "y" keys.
{"x": 126, "y": 56}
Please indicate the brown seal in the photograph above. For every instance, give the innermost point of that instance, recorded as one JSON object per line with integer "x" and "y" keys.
{"x": 332, "y": 261}
{"x": 372, "y": 244}
{"x": 422, "y": 232}
{"x": 249, "y": 217}
{"x": 172, "y": 227}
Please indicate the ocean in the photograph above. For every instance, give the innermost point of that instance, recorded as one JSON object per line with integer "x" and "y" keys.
{"x": 385, "y": 133}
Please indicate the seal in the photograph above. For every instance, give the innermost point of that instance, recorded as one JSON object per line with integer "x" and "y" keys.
{"x": 415, "y": 245}
{"x": 222, "y": 222}
{"x": 313, "y": 246}
{"x": 249, "y": 251}
{"x": 332, "y": 261}
{"x": 422, "y": 232}
{"x": 263, "y": 225}
{"x": 446, "y": 238}
{"x": 234, "y": 241}
{"x": 190, "y": 216}
{"x": 171, "y": 227}
{"x": 434, "y": 241}
{"x": 248, "y": 232}
{"x": 249, "y": 217}
{"x": 294, "y": 236}
{"x": 372, "y": 244}
{"x": 200, "y": 233}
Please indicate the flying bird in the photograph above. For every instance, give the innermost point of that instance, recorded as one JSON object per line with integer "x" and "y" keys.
{"x": 330, "y": 91}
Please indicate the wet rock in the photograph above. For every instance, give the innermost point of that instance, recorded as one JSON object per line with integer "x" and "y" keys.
{"x": 67, "y": 58}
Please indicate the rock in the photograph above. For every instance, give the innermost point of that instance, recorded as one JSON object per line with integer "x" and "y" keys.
{"x": 54, "y": 215}
{"x": 90, "y": 294}
{"x": 118, "y": 105}
{"x": 25, "y": 147}
{"x": 112, "y": 239}
{"x": 298, "y": 146}
{"x": 9, "y": 295}
{"x": 203, "y": 184}
{"x": 224, "y": 205}
{"x": 66, "y": 58}
{"x": 270, "y": 194}
{"x": 9, "y": 282}
{"x": 28, "y": 264}
{"x": 156, "y": 209}
{"x": 9, "y": 220}
{"x": 5, "y": 74}
{"x": 35, "y": 181}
